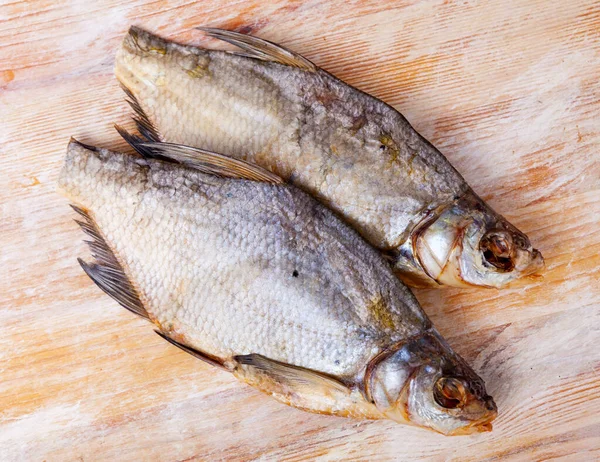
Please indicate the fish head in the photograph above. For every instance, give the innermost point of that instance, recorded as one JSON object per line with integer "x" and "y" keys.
{"x": 424, "y": 383}
{"x": 468, "y": 244}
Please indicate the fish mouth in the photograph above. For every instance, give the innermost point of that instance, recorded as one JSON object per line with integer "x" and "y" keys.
{"x": 483, "y": 425}
{"x": 487, "y": 427}
{"x": 537, "y": 262}
{"x": 531, "y": 264}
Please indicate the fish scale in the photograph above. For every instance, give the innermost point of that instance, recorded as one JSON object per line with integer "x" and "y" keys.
{"x": 239, "y": 278}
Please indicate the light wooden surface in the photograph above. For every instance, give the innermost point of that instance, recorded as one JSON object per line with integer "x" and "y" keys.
{"x": 508, "y": 90}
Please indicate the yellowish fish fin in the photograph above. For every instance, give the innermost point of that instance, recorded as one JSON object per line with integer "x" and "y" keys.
{"x": 141, "y": 119}
{"x": 195, "y": 353}
{"x": 303, "y": 388}
{"x": 260, "y": 49}
{"x": 106, "y": 271}
{"x": 258, "y": 368}
{"x": 208, "y": 162}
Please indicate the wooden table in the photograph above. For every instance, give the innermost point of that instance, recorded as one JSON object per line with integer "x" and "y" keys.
{"x": 508, "y": 90}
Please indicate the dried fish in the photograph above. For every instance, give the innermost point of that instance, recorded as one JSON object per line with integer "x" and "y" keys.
{"x": 359, "y": 156}
{"x": 256, "y": 277}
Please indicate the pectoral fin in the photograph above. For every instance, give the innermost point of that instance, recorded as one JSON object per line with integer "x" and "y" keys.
{"x": 303, "y": 388}
{"x": 287, "y": 376}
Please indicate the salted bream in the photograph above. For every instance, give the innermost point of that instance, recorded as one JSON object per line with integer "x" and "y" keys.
{"x": 258, "y": 278}
{"x": 356, "y": 154}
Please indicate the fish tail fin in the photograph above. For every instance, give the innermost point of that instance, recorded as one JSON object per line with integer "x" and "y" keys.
{"x": 106, "y": 271}
{"x": 142, "y": 122}
{"x": 142, "y": 43}
{"x": 133, "y": 63}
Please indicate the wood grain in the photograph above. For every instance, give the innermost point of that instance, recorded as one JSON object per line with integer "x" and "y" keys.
{"x": 509, "y": 90}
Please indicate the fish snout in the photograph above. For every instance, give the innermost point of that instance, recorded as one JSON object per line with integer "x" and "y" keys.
{"x": 490, "y": 404}
{"x": 529, "y": 262}
{"x": 537, "y": 261}
{"x": 508, "y": 252}
{"x": 484, "y": 423}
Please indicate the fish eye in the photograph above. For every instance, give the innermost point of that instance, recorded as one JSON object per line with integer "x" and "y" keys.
{"x": 450, "y": 392}
{"x": 496, "y": 246}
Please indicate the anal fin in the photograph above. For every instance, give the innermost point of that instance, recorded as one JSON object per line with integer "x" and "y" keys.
{"x": 106, "y": 271}
{"x": 195, "y": 353}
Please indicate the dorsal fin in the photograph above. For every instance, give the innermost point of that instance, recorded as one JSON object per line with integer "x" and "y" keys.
{"x": 212, "y": 162}
{"x": 208, "y": 162}
{"x": 106, "y": 271}
{"x": 257, "y": 48}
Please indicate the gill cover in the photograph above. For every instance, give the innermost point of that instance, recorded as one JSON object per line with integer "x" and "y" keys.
{"x": 468, "y": 244}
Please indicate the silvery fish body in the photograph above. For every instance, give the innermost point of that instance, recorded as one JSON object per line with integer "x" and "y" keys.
{"x": 356, "y": 154}
{"x": 258, "y": 278}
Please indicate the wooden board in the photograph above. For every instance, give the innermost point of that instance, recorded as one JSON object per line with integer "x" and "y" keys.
{"x": 509, "y": 90}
